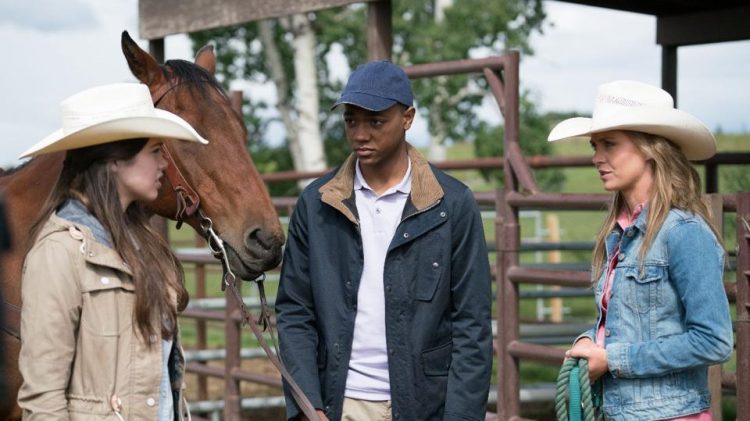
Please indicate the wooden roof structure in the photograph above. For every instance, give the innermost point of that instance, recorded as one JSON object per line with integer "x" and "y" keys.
{"x": 159, "y": 18}
{"x": 678, "y": 22}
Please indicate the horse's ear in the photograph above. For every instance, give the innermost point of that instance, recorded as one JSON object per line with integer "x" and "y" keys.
{"x": 206, "y": 59}
{"x": 141, "y": 64}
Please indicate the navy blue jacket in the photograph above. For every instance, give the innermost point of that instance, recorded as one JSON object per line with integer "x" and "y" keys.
{"x": 437, "y": 304}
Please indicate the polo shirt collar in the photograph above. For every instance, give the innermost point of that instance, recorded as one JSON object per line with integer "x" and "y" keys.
{"x": 404, "y": 186}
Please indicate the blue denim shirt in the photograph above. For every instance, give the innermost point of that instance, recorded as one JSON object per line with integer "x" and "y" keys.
{"x": 666, "y": 323}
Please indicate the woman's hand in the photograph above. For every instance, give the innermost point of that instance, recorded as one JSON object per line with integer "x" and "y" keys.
{"x": 595, "y": 355}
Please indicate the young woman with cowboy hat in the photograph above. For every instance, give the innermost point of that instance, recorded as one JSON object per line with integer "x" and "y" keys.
{"x": 657, "y": 262}
{"x": 101, "y": 289}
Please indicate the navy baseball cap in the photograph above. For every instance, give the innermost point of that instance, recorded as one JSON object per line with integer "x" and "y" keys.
{"x": 377, "y": 86}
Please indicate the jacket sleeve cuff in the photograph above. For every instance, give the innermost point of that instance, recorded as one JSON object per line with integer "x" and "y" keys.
{"x": 292, "y": 410}
{"x": 617, "y": 360}
{"x": 587, "y": 334}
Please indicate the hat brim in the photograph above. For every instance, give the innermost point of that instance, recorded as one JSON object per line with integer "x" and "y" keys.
{"x": 686, "y": 131}
{"x": 162, "y": 124}
{"x": 366, "y": 101}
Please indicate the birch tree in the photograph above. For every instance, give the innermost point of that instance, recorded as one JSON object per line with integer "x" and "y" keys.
{"x": 423, "y": 32}
{"x": 279, "y": 41}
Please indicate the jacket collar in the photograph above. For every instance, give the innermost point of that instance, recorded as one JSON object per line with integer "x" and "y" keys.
{"x": 75, "y": 211}
{"x": 93, "y": 251}
{"x": 338, "y": 192}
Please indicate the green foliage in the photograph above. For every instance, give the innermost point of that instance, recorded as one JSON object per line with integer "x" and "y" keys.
{"x": 735, "y": 178}
{"x": 419, "y": 37}
{"x": 269, "y": 160}
{"x": 534, "y": 128}
{"x": 447, "y": 102}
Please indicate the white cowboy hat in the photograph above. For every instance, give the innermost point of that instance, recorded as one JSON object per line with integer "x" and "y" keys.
{"x": 636, "y": 106}
{"x": 110, "y": 113}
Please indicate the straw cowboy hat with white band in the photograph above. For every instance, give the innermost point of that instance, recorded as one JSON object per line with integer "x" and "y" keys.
{"x": 637, "y": 106}
{"x": 111, "y": 113}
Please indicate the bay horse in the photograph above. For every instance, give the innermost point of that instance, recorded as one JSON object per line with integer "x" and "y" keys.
{"x": 229, "y": 187}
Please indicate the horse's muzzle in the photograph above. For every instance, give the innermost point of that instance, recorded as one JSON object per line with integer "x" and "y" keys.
{"x": 261, "y": 253}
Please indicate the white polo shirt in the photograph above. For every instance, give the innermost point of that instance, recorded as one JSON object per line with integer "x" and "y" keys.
{"x": 379, "y": 217}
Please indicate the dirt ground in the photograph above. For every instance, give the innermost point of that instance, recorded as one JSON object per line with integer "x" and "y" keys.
{"x": 537, "y": 410}
{"x": 215, "y": 389}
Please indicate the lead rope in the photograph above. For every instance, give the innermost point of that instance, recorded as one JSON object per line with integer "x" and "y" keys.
{"x": 575, "y": 399}
{"x": 216, "y": 245}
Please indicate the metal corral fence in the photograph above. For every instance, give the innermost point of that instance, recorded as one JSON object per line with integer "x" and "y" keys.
{"x": 515, "y": 341}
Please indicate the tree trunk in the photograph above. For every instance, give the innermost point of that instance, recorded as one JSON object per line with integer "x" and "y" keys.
{"x": 303, "y": 131}
{"x": 276, "y": 71}
{"x": 436, "y": 150}
{"x": 310, "y": 142}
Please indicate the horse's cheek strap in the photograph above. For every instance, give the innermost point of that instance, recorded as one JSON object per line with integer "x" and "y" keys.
{"x": 182, "y": 189}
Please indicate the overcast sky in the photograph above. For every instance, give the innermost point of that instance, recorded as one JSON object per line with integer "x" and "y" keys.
{"x": 55, "y": 49}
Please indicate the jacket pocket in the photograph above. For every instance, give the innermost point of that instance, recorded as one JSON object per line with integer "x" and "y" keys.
{"x": 437, "y": 361}
{"x": 87, "y": 406}
{"x": 107, "y": 304}
{"x": 430, "y": 270}
{"x": 644, "y": 287}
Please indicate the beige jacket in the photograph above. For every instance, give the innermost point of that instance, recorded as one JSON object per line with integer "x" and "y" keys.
{"x": 80, "y": 356}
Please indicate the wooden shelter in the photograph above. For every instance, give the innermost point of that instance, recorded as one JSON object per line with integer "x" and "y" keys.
{"x": 679, "y": 23}
{"x": 159, "y": 18}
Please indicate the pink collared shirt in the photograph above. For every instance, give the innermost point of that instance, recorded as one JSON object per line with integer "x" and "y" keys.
{"x": 624, "y": 221}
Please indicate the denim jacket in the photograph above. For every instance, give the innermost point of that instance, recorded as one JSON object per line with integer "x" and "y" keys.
{"x": 667, "y": 322}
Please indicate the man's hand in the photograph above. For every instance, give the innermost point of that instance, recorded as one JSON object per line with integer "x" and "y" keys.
{"x": 596, "y": 356}
{"x": 321, "y": 415}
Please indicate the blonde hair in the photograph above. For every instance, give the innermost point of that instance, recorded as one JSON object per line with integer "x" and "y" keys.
{"x": 676, "y": 185}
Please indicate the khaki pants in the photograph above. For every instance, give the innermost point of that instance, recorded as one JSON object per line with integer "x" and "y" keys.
{"x": 361, "y": 410}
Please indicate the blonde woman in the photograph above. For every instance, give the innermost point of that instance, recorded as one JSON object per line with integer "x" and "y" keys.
{"x": 101, "y": 289}
{"x": 658, "y": 261}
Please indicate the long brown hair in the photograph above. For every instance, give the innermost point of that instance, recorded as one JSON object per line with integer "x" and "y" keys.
{"x": 157, "y": 274}
{"x": 676, "y": 185}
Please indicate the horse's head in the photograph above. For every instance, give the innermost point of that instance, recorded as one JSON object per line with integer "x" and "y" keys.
{"x": 229, "y": 186}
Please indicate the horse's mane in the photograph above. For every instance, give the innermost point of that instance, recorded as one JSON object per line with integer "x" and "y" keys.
{"x": 196, "y": 76}
{"x": 9, "y": 171}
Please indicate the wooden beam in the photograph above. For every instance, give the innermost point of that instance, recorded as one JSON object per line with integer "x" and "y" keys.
{"x": 158, "y": 18}
{"x": 156, "y": 49}
{"x": 706, "y": 27}
{"x": 379, "y": 30}
{"x": 669, "y": 70}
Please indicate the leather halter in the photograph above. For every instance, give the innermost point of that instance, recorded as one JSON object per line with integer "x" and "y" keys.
{"x": 163, "y": 90}
{"x": 188, "y": 200}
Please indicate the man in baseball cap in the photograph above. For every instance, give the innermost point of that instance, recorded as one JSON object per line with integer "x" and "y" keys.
{"x": 384, "y": 301}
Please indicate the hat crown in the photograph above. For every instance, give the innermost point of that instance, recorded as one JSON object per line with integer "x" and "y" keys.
{"x": 617, "y": 97}
{"x": 636, "y": 106}
{"x": 104, "y": 103}
{"x": 111, "y": 113}
{"x": 377, "y": 85}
